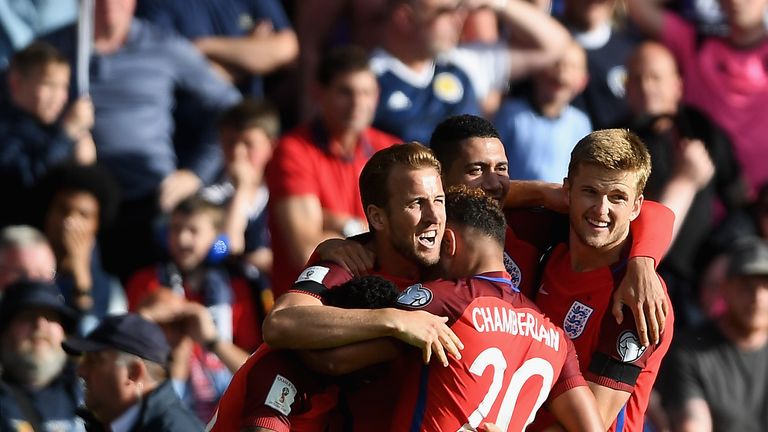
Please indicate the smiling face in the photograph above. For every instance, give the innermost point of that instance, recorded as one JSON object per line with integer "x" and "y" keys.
{"x": 481, "y": 163}
{"x": 414, "y": 219}
{"x": 602, "y": 204}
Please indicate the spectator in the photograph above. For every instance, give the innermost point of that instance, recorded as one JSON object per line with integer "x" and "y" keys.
{"x": 539, "y": 133}
{"x": 248, "y": 133}
{"x": 535, "y": 41}
{"x": 33, "y": 137}
{"x": 202, "y": 362}
{"x": 196, "y": 271}
{"x": 124, "y": 364}
{"x": 722, "y": 76}
{"x": 313, "y": 175}
{"x": 79, "y": 203}
{"x": 136, "y": 71}
{"x": 417, "y": 88}
{"x": 24, "y": 254}
{"x": 38, "y": 387}
{"x": 608, "y": 48}
{"x": 716, "y": 377}
{"x": 686, "y": 150}
{"x": 242, "y": 39}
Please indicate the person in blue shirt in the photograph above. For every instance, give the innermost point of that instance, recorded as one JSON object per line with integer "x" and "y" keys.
{"x": 540, "y": 131}
{"x": 36, "y": 130}
{"x": 242, "y": 39}
{"x": 135, "y": 72}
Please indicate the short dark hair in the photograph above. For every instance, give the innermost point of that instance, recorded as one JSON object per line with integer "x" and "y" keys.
{"x": 197, "y": 204}
{"x": 366, "y": 292}
{"x": 252, "y": 114}
{"x": 473, "y": 208}
{"x": 93, "y": 179}
{"x": 34, "y": 57}
{"x": 374, "y": 177}
{"x": 341, "y": 60}
{"x": 446, "y": 139}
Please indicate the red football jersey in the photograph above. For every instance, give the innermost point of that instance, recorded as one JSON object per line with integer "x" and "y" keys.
{"x": 609, "y": 354}
{"x": 368, "y": 398}
{"x": 513, "y": 357}
{"x": 274, "y": 390}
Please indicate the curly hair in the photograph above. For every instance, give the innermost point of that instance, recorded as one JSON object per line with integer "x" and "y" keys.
{"x": 473, "y": 208}
{"x": 366, "y": 292}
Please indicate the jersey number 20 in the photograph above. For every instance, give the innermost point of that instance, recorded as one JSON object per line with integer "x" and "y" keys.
{"x": 495, "y": 358}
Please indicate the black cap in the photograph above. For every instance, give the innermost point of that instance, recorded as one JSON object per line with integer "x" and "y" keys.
{"x": 128, "y": 333}
{"x": 26, "y": 294}
{"x": 749, "y": 257}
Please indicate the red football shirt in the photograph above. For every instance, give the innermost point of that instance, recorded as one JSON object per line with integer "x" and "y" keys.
{"x": 513, "y": 357}
{"x": 274, "y": 390}
{"x": 306, "y": 163}
{"x": 609, "y": 354}
{"x": 370, "y": 395}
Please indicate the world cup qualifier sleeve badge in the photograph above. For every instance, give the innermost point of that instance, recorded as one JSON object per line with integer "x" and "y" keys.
{"x": 576, "y": 319}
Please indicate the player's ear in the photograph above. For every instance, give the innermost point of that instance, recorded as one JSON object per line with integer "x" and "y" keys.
{"x": 566, "y": 192}
{"x": 449, "y": 242}
{"x": 376, "y": 217}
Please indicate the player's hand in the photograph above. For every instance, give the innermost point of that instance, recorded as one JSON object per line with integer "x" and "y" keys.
{"x": 177, "y": 186}
{"x": 641, "y": 290}
{"x": 488, "y": 427}
{"x": 429, "y": 333}
{"x": 349, "y": 254}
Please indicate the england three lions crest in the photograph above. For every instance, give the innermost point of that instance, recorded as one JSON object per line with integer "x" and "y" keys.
{"x": 576, "y": 319}
{"x": 513, "y": 269}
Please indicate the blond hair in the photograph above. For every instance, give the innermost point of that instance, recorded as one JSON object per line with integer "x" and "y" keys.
{"x": 615, "y": 150}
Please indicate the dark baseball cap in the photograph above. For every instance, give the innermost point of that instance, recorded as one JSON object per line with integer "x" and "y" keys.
{"x": 749, "y": 257}
{"x": 128, "y": 333}
{"x": 27, "y": 294}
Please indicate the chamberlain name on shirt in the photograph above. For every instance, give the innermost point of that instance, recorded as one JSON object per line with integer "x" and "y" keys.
{"x": 504, "y": 320}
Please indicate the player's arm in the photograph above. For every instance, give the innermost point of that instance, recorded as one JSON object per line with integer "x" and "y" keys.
{"x": 300, "y": 321}
{"x": 609, "y": 402}
{"x": 534, "y": 193}
{"x": 641, "y": 289}
{"x": 350, "y": 358}
{"x": 576, "y": 410}
{"x": 351, "y": 255}
{"x": 570, "y": 400}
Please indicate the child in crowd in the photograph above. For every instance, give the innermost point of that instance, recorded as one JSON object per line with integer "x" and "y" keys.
{"x": 31, "y": 131}
{"x": 539, "y": 132}
{"x": 248, "y": 133}
{"x": 196, "y": 272}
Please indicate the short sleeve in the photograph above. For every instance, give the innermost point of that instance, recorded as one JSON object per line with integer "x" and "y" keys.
{"x": 570, "y": 376}
{"x": 652, "y": 231}
{"x": 619, "y": 357}
{"x": 680, "y": 37}
{"x": 291, "y": 171}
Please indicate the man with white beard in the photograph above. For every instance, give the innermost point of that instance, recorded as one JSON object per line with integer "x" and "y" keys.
{"x": 39, "y": 389}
